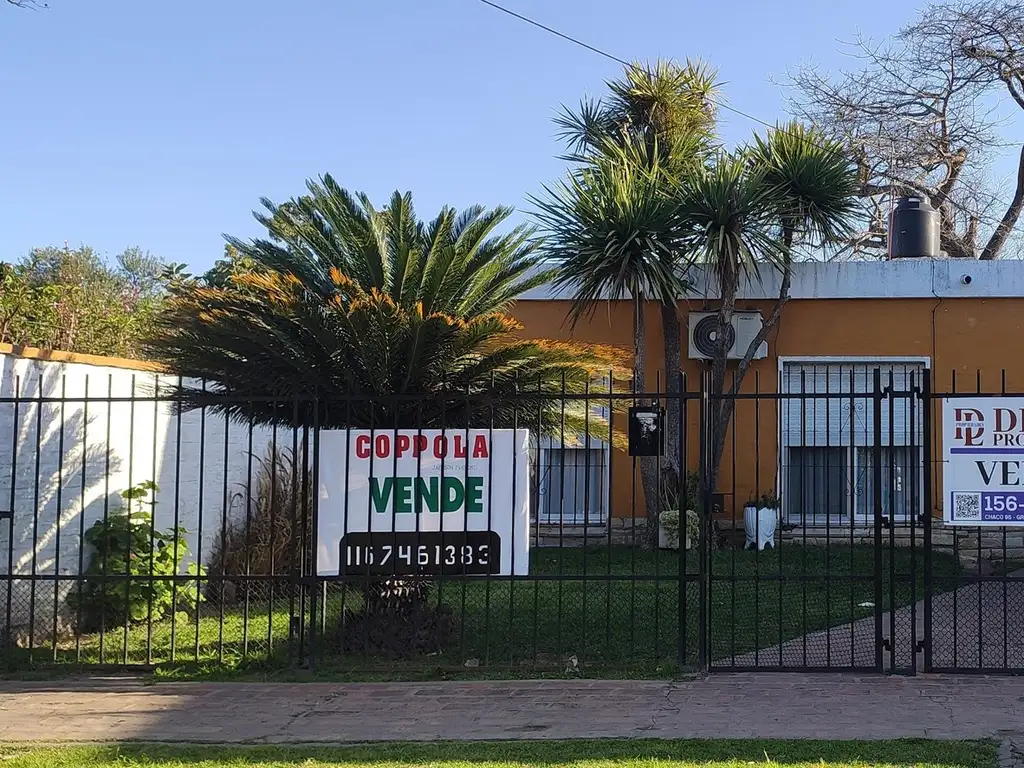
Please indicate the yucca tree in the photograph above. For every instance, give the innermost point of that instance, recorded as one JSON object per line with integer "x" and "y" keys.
{"x": 354, "y": 306}
{"x": 745, "y": 215}
{"x": 612, "y": 225}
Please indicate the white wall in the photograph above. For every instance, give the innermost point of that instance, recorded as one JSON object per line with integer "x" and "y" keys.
{"x": 56, "y": 495}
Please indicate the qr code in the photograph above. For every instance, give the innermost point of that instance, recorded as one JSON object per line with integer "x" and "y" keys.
{"x": 967, "y": 506}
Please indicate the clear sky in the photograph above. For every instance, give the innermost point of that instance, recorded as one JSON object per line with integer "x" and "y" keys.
{"x": 161, "y": 124}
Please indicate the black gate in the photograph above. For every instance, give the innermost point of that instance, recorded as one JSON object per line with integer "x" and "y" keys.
{"x": 837, "y": 586}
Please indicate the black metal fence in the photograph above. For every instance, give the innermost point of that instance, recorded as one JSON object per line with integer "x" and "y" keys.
{"x": 135, "y": 534}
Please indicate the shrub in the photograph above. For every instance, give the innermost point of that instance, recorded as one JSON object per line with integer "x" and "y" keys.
{"x": 261, "y": 541}
{"x": 127, "y": 544}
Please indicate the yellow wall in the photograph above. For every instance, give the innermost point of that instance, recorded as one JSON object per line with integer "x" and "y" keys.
{"x": 964, "y": 335}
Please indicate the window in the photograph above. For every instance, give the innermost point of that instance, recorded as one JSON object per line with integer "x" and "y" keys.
{"x": 573, "y": 485}
{"x": 827, "y": 441}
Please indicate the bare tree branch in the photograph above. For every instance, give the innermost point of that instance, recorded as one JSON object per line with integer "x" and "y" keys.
{"x": 917, "y": 116}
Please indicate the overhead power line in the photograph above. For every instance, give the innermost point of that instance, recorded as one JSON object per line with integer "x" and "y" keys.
{"x": 611, "y": 56}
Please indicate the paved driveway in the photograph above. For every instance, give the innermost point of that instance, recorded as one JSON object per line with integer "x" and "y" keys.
{"x": 980, "y": 626}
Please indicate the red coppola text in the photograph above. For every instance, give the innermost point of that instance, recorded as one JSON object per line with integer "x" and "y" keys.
{"x": 386, "y": 445}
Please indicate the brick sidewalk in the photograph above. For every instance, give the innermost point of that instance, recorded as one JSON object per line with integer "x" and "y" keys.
{"x": 748, "y": 705}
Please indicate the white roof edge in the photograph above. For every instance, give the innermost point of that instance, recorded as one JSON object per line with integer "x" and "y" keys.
{"x": 897, "y": 279}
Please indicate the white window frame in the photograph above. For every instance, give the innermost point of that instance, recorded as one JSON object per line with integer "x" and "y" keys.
{"x": 598, "y": 516}
{"x": 781, "y": 480}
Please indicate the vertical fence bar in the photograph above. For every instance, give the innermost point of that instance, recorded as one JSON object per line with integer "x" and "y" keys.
{"x": 60, "y": 511}
{"x": 683, "y": 496}
{"x": 35, "y": 522}
{"x": 890, "y": 495}
{"x": 13, "y": 500}
{"x": 293, "y": 531}
{"x": 803, "y": 515}
{"x": 877, "y": 511}
{"x": 1005, "y": 575}
{"x": 275, "y": 462}
{"x": 225, "y": 458}
{"x": 609, "y": 585}
{"x": 314, "y": 528}
{"x": 586, "y": 516}
{"x": 177, "y": 520}
{"x": 302, "y": 550}
{"x": 757, "y": 495}
{"x": 734, "y": 407}
{"x": 152, "y": 528}
{"x": 928, "y": 413}
{"x": 246, "y": 592}
{"x": 703, "y": 589}
{"x": 104, "y": 567}
{"x": 199, "y": 521}
{"x": 515, "y": 501}
{"x": 128, "y": 578}
{"x": 79, "y": 580}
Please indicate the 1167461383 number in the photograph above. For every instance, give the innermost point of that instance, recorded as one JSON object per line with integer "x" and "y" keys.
{"x": 425, "y": 553}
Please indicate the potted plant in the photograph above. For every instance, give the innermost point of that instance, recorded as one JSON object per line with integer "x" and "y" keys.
{"x": 760, "y": 519}
{"x": 668, "y": 529}
{"x": 750, "y": 523}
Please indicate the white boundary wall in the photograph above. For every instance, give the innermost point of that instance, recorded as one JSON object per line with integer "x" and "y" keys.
{"x": 196, "y": 461}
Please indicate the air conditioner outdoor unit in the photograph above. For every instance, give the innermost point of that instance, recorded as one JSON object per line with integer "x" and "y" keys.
{"x": 703, "y": 328}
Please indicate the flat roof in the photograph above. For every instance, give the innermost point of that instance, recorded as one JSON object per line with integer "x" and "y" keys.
{"x": 896, "y": 279}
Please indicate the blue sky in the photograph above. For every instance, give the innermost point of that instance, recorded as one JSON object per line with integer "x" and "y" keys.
{"x": 161, "y": 124}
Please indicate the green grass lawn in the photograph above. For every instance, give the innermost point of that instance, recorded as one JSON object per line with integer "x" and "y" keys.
{"x": 582, "y": 611}
{"x": 582, "y": 754}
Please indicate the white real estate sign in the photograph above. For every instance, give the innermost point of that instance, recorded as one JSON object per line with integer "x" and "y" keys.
{"x": 428, "y": 501}
{"x": 983, "y": 460}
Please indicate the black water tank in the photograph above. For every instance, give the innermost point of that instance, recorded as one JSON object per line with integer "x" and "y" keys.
{"x": 914, "y": 229}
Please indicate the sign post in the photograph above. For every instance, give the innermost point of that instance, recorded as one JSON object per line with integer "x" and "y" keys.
{"x": 983, "y": 460}
{"x": 423, "y": 502}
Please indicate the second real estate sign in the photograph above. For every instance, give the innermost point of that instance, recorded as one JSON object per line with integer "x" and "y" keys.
{"x": 451, "y": 502}
{"x": 983, "y": 461}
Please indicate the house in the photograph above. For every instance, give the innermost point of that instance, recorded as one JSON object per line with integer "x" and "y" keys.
{"x": 805, "y": 424}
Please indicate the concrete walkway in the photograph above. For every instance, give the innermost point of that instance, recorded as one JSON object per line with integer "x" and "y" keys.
{"x": 758, "y": 705}
{"x": 979, "y": 626}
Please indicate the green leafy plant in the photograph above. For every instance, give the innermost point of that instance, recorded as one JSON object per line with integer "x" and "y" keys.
{"x": 670, "y": 490}
{"x": 127, "y": 544}
{"x": 769, "y": 500}
{"x": 669, "y": 520}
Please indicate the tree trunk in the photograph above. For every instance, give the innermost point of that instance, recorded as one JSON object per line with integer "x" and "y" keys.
{"x": 1009, "y": 220}
{"x": 648, "y": 464}
{"x": 723, "y": 403}
{"x": 673, "y": 406}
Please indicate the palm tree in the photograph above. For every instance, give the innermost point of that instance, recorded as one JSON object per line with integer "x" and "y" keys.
{"x": 749, "y": 211}
{"x": 350, "y": 316}
{"x": 355, "y": 306}
{"x": 612, "y": 225}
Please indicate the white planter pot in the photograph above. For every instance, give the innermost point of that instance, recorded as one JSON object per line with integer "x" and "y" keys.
{"x": 760, "y": 525}
{"x": 667, "y": 540}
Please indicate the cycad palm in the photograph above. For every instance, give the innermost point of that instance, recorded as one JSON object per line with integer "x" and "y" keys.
{"x": 361, "y": 308}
